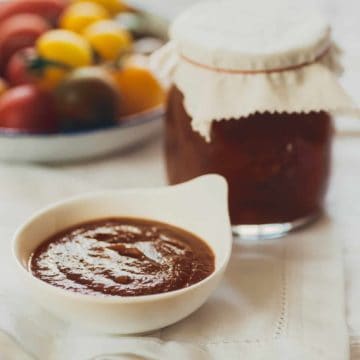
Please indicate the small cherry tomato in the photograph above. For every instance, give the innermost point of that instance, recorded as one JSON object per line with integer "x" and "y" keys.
{"x": 78, "y": 16}
{"x": 139, "y": 89}
{"x": 27, "y": 108}
{"x": 26, "y": 67}
{"x": 48, "y": 9}
{"x": 65, "y": 47}
{"x": 3, "y": 86}
{"x": 17, "y": 70}
{"x": 18, "y": 32}
{"x": 113, "y": 6}
{"x": 87, "y": 99}
{"x": 108, "y": 39}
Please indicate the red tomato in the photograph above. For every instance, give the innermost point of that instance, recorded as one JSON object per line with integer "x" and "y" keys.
{"x": 26, "y": 67}
{"x": 18, "y": 32}
{"x": 48, "y": 9}
{"x": 17, "y": 69}
{"x": 27, "y": 108}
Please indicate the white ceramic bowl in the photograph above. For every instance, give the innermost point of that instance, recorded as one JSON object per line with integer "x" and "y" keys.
{"x": 50, "y": 148}
{"x": 199, "y": 206}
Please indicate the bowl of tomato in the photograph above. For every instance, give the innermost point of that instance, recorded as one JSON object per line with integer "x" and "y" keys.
{"x": 74, "y": 79}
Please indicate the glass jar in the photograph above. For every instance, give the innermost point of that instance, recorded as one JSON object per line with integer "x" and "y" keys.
{"x": 261, "y": 118}
{"x": 277, "y": 165}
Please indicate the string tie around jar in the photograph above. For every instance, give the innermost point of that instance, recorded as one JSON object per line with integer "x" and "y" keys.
{"x": 259, "y": 71}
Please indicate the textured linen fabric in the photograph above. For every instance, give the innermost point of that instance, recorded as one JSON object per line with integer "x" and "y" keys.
{"x": 24, "y": 327}
{"x": 283, "y": 299}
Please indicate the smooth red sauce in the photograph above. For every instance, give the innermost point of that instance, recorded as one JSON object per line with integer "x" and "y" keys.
{"x": 122, "y": 256}
{"x": 277, "y": 165}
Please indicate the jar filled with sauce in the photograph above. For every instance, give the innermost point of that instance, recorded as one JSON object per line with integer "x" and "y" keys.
{"x": 254, "y": 89}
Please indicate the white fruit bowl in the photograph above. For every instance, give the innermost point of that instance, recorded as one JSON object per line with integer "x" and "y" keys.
{"x": 82, "y": 145}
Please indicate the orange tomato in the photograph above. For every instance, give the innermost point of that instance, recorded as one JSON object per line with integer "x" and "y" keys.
{"x": 3, "y": 86}
{"x": 139, "y": 89}
{"x": 51, "y": 77}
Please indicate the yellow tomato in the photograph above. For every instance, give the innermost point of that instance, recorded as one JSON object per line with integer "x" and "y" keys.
{"x": 78, "y": 16}
{"x": 108, "y": 38}
{"x": 139, "y": 89}
{"x": 113, "y": 6}
{"x": 65, "y": 47}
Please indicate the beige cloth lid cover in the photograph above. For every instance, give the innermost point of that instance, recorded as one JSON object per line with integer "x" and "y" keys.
{"x": 233, "y": 58}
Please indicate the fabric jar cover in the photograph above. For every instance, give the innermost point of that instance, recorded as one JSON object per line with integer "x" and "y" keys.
{"x": 233, "y": 58}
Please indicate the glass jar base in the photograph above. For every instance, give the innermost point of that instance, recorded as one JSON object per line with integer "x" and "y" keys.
{"x": 270, "y": 231}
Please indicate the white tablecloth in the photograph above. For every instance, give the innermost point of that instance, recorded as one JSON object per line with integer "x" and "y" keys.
{"x": 143, "y": 166}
